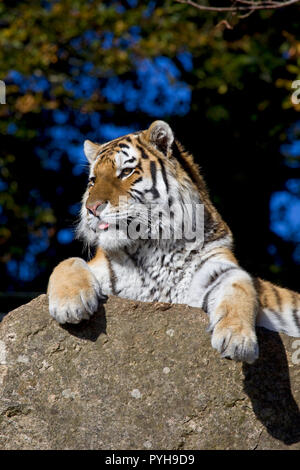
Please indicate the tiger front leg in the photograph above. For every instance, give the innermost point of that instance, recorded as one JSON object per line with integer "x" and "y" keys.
{"x": 74, "y": 292}
{"x": 232, "y": 318}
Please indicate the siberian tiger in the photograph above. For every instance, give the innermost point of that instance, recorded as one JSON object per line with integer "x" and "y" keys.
{"x": 150, "y": 169}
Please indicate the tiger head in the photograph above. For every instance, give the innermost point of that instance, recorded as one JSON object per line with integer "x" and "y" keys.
{"x": 137, "y": 182}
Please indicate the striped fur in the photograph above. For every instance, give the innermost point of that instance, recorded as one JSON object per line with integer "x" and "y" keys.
{"x": 151, "y": 169}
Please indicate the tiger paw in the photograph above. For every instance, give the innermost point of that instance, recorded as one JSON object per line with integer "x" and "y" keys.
{"x": 74, "y": 292}
{"x": 237, "y": 342}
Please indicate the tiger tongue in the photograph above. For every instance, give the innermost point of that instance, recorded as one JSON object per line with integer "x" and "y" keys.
{"x": 103, "y": 225}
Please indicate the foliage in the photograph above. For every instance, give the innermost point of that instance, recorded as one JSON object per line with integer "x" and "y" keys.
{"x": 78, "y": 69}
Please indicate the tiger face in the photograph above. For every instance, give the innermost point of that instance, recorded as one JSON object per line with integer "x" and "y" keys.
{"x": 133, "y": 183}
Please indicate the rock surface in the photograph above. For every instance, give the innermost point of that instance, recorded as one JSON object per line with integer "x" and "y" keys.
{"x": 141, "y": 376}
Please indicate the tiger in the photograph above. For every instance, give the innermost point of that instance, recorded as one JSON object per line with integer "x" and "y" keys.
{"x": 150, "y": 169}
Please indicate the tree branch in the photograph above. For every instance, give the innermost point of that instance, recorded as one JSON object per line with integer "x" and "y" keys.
{"x": 246, "y": 6}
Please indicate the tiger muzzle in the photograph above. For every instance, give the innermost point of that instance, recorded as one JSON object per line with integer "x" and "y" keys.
{"x": 96, "y": 208}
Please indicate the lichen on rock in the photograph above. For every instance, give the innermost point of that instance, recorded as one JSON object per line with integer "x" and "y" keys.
{"x": 140, "y": 376}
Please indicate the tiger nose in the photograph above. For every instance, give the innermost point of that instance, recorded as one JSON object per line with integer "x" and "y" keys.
{"x": 99, "y": 205}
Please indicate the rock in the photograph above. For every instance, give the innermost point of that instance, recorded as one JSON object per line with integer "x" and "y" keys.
{"x": 141, "y": 376}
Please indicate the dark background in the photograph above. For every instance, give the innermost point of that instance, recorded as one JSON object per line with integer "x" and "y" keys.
{"x": 98, "y": 70}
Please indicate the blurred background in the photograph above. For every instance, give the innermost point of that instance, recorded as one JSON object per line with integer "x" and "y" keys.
{"x": 80, "y": 69}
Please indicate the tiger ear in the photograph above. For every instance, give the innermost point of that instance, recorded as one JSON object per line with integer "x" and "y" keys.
{"x": 161, "y": 136}
{"x": 91, "y": 150}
